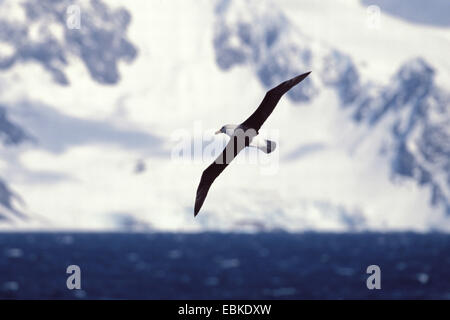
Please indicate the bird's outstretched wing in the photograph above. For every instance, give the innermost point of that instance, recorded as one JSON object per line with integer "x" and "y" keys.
{"x": 215, "y": 169}
{"x": 269, "y": 102}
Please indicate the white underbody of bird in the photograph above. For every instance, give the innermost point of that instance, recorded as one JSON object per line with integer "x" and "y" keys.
{"x": 266, "y": 146}
{"x": 242, "y": 136}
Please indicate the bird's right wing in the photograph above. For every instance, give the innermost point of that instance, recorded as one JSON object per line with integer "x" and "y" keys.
{"x": 270, "y": 101}
{"x": 210, "y": 174}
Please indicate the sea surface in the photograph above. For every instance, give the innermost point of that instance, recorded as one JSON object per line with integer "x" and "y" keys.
{"x": 224, "y": 266}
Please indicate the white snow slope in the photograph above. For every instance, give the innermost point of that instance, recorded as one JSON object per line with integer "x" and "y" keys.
{"x": 113, "y": 156}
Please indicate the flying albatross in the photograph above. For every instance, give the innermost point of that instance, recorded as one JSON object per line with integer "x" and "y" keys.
{"x": 241, "y": 136}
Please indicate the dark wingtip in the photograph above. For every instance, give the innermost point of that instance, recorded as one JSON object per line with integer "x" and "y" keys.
{"x": 197, "y": 208}
{"x": 299, "y": 78}
{"x": 199, "y": 199}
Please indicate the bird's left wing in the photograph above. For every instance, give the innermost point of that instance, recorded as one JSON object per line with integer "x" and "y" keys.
{"x": 270, "y": 101}
{"x": 215, "y": 169}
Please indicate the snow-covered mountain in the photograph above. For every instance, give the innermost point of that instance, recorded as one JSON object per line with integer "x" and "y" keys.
{"x": 37, "y": 32}
{"x": 89, "y": 141}
{"x": 416, "y": 115}
{"x": 11, "y": 134}
{"x": 417, "y": 112}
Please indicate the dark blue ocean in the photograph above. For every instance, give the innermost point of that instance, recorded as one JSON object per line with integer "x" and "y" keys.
{"x": 224, "y": 266}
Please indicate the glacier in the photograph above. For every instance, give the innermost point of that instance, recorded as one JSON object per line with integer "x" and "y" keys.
{"x": 86, "y": 143}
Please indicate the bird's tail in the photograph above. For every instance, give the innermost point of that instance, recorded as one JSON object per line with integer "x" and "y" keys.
{"x": 266, "y": 146}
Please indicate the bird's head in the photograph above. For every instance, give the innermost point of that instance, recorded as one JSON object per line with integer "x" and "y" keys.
{"x": 228, "y": 129}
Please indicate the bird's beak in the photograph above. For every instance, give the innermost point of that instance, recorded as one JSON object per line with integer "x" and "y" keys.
{"x": 217, "y": 132}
